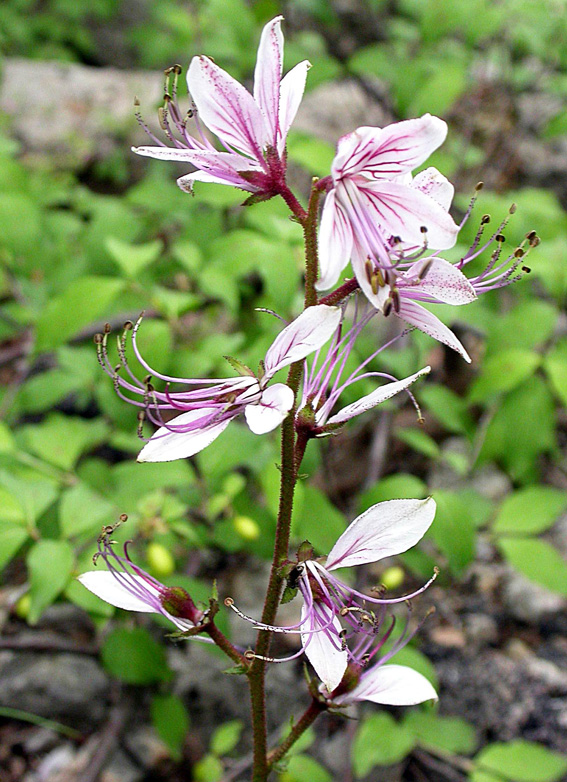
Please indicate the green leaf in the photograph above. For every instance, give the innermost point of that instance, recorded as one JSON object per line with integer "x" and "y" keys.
{"x": 171, "y": 721}
{"x": 83, "y": 510}
{"x": 226, "y": 737}
{"x": 82, "y": 597}
{"x": 61, "y": 439}
{"x": 50, "y": 563}
{"x": 32, "y": 494}
{"x": 380, "y": 741}
{"x": 453, "y": 529}
{"x": 530, "y": 510}
{"x": 503, "y": 372}
{"x": 448, "y": 408}
{"x": 314, "y": 155}
{"x": 208, "y": 768}
{"x": 84, "y": 301}
{"x": 555, "y": 365}
{"x": 522, "y": 761}
{"x": 6, "y": 438}
{"x": 133, "y": 656}
{"x": 12, "y": 538}
{"x": 537, "y": 560}
{"x": 420, "y": 441}
{"x": 401, "y": 486}
{"x": 10, "y": 508}
{"x": 448, "y": 734}
{"x": 132, "y": 258}
{"x": 302, "y": 768}
{"x": 318, "y": 521}
{"x": 527, "y": 325}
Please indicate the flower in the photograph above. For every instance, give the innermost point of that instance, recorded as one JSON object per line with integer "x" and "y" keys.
{"x": 324, "y": 382}
{"x": 127, "y": 586}
{"x": 210, "y": 405}
{"x": 384, "y": 530}
{"x": 389, "y": 685}
{"x": 251, "y": 129}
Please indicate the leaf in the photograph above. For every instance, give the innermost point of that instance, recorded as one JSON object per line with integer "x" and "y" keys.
{"x": 208, "y": 768}
{"x": 83, "y": 510}
{"x": 132, "y": 258}
{"x": 379, "y": 741}
{"x": 449, "y": 734}
{"x": 134, "y": 657}
{"x": 419, "y": 441}
{"x": 530, "y": 510}
{"x": 401, "y": 486}
{"x": 226, "y": 737}
{"x": 84, "y": 301}
{"x": 448, "y": 408}
{"x": 82, "y": 597}
{"x": 302, "y": 768}
{"x": 171, "y": 721}
{"x": 50, "y": 563}
{"x": 538, "y": 561}
{"x": 555, "y": 365}
{"x": 522, "y": 761}
{"x": 503, "y": 372}
{"x": 453, "y": 530}
{"x": 527, "y": 325}
{"x": 6, "y": 438}
{"x": 318, "y": 521}
{"x": 12, "y": 538}
{"x": 61, "y": 439}
{"x": 33, "y": 495}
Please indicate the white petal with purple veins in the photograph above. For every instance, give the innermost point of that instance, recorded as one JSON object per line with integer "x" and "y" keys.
{"x": 443, "y": 281}
{"x": 268, "y": 73}
{"x": 324, "y": 654}
{"x": 107, "y": 586}
{"x": 391, "y": 685}
{"x": 275, "y": 404}
{"x": 429, "y": 323}
{"x": 375, "y": 398}
{"x": 167, "y": 445}
{"x": 434, "y": 184}
{"x": 384, "y": 530}
{"x": 304, "y": 335}
{"x": 292, "y": 88}
{"x": 335, "y": 242}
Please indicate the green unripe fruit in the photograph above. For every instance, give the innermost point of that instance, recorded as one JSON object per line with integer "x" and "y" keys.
{"x": 22, "y": 607}
{"x": 160, "y": 561}
{"x": 246, "y": 527}
{"x": 393, "y": 577}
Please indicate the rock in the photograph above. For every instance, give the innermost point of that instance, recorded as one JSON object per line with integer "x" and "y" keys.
{"x": 480, "y": 629}
{"x": 148, "y": 749}
{"x": 52, "y": 765}
{"x": 527, "y": 601}
{"x": 66, "y": 687}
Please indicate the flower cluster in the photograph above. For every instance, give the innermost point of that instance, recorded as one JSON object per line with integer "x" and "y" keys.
{"x": 390, "y": 221}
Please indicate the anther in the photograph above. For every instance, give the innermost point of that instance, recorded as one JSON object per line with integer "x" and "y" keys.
{"x": 531, "y": 236}
{"x": 123, "y": 517}
{"x": 228, "y": 601}
{"x": 396, "y": 299}
{"x": 512, "y": 209}
{"x": 500, "y": 238}
{"x": 136, "y": 101}
{"x": 479, "y": 186}
{"x": 98, "y": 339}
{"x": 344, "y": 611}
{"x": 387, "y": 308}
{"x": 535, "y": 241}
{"x": 249, "y": 655}
{"x": 128, "y": 325}
{"x": 526, "y": 269}
{"x": 369, "y": 268}
{"x": 423, "y": 229}
{"x": 518, "y": 252}
{"x": 425, "y": 269}
{"x": 107, "y": 328}
{"x": 485, "y": 219}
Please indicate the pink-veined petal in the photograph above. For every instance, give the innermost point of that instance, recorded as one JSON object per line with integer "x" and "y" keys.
{"x": 426, "y": 321}
{"x": 268, "y": 74}
{"x": 335, "y": 242}
{"x": 435, "y": 185}
{"x": 390, "y": 685}
{"x": 443, "y": 281}
{"x": 307, "y": 333}
{"x": 379, "y": 298}
{"x": 167, "y": 153}
{"x": 329, "y": 661}
{"x": 292, "y": 88}
{"x": 186, "y": 182}
{"x": 227, "y": 108}
{"x": 275, "y": 404}
{"x": 403, "y": 211}
{"x": 388, "y": 152}
{"x": 106, "y": 586}
{"x": 166, "y": 446}
{"x": 384, "y": 530}
{"x": 376, "y": 397}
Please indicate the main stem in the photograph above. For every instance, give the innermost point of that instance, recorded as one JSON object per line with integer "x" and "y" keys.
{"x": 291, "y": 456}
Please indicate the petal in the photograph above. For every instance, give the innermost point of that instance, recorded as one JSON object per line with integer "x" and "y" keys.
{"x": 292, "y": 88}
{"x": 166, "y": 446}
{"x": 384, "y": 530}
{"x": 375, "y": 398}
{"x": 443, "y": 281}
{"x": 307, "y": 333}
{"x": 388, "y": 152}
{"x": 227, "y": 108}
{"x": 391, "y": 685}
{"x": 276, "y": 402}
{"x": 329, "y": 661}
{"x": 268, "y": 74}
{"x": 359, "y": 257}
{"x": 403, "y": 211}
{"x": 106, "y": 586}
{"x": 425, "y": 321}
{"x": 186, "y": 182}
{"x": 335, "y": 242}
{"x": 175, "y": 154}
{"x": 435, "y": 185}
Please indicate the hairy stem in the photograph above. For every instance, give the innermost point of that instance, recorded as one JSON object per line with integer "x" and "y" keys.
{"x": 307, "y": 718}
{"x": 340, "y": 293}
{"x": 223, "y": 643}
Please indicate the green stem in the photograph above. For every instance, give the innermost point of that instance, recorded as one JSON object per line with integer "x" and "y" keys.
{"x": 308, "y": 718}
{"x": 223, "y": 643}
